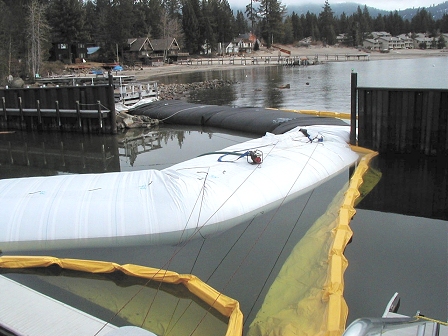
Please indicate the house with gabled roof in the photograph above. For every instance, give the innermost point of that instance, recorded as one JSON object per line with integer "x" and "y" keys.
{"x": 227, "y": 48}
{"x": 371, "y": 44}
{"x": 407, "y": 41}
{"x": 138, "y": 49}
{"x": 423, "y": 42}
{"x": 390, "y": 42}
{"x": 377, "y": 35}
{"x": 153, "y": 51}
{"x": 168, "y": 49}
{"x": 245, "y": 43}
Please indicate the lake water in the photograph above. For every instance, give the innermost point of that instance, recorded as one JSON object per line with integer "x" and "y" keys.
{"x": 397, "y": 244}
{"x": 325, "y": 87}
{"x": 402, "y": 245}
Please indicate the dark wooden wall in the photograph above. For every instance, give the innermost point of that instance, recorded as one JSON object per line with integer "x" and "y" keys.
{"x": 69, "y": 108}
{"x": 403, "y": 120}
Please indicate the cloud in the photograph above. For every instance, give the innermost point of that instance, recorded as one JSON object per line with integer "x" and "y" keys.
{"x": 390, "y": 5}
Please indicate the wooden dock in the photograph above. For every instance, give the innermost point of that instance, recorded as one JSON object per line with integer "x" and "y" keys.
{"x": 87, "y": 109}
{"x": 276, "y": 60}
{"x": 82, "y": 80}
{"x": 24, "y": 311}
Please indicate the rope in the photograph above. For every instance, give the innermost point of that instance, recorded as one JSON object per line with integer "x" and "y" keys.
{"x": 168, "y": 329}
{"x": 240, "y": 155}
{"x": 278, "y": 256}
{"x": 165, "y": 271}
{"x": 185, "y": 109}
{"x": 181, "y": 247}
{"x": 420, "y": 317}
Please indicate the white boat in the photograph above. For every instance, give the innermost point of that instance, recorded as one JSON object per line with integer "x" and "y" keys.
{"x": 201, "y": 196}
{"x": 392, "y": 323}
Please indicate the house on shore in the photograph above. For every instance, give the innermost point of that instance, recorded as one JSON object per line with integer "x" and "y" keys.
{"x": 371, "y": 44}
{"x": 384, "y": 41}
{"x": 153, "y": 51}
{"x": 240, "y": 45}
{"x": 68, "y": 53}
{"x": 138, "y": 50}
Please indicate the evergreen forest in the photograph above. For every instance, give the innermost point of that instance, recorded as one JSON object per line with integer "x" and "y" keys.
{"x": 28, "y": 28}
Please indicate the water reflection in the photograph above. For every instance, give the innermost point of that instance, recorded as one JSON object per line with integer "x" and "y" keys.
{"x": 424, "y": 181}
{"x": 221, "y": 96}
{"x": 41, "y": 154}
{"x": 24, "y": 154}
{"x": 162, "y": 308}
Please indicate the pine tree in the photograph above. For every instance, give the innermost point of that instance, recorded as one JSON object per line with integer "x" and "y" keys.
{"x": 326, "y": 24}
{"x": 37, "y": 33}
{"x": 271, "y": 13}
{"x": 241, "y": 25}
{"x": 190, "y": 26}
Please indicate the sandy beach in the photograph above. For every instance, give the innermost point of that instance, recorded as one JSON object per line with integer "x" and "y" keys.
{"x": 325, "y": 54}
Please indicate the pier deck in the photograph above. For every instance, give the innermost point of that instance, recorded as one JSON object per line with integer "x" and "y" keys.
{"x": 24, "y": 311}
{"x": 277, "y": 60}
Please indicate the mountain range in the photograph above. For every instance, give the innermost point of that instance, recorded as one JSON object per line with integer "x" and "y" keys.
{"x": 349, "y": 8}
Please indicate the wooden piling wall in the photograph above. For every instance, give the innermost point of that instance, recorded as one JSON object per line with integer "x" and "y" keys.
{"x": 403, "y": 120}
{"x": 87, "y": 109}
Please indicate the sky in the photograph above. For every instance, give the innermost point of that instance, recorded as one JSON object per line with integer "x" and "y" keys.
{"x": 389, "y": 5}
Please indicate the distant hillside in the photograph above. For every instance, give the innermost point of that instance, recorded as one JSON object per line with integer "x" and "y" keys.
{"x": 351, "y": 7}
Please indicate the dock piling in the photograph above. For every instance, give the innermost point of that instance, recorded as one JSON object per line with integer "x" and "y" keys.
{"x": 354, "y": 99}
{"x": 5, "y": 115}
{"x": 78, "y": 115}
{"x": 58, "y": 114}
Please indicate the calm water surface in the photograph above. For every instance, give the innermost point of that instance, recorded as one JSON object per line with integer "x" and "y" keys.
{"x": 403, "y": 244}
{"x": 395, "y": 248}
{"x": 324, "y": 87}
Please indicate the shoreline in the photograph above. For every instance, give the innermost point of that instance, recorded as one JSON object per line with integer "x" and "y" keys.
{"x": 148, "y": 72}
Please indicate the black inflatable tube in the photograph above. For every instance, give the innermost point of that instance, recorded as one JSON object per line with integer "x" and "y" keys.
{"x": 253, "y": 120}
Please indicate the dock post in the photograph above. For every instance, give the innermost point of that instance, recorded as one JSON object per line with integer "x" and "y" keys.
{"x": 4, "y": 109}
{"x": 22, "y": 117}
{"x": 78, "y": 114}
{"x": 39, "y": 115}
{"x": 58, "y": 114}
{"x": 100, "y": 116}
{"x": 111, "y": 103}
{"x": 21, "y": 109}
{"x": 354, "y": 99}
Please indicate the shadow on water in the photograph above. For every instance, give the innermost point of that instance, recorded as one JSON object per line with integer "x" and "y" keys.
{"x": 400, "y": 240}
{"x": 412, "y": 185}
